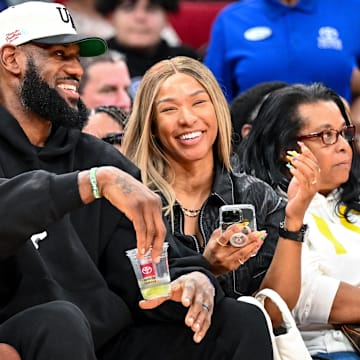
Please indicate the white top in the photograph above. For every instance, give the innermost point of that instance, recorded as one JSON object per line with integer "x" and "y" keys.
{"x": 331, "y": 253}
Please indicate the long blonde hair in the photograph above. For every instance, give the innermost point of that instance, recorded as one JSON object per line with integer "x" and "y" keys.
{"x": 143, "y": 148}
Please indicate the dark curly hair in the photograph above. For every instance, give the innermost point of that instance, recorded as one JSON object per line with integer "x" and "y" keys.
{"x": 107, "y": 6}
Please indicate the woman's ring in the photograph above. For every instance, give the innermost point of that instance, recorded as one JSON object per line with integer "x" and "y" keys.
{"x": 205, "y": 306}
{"x": 220, "y": 243}
{"x": 313, "y": 182}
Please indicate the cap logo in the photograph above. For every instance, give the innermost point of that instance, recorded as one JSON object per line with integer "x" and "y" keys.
{"x": 65, "y": 16}
{"x": 12, "y": 36}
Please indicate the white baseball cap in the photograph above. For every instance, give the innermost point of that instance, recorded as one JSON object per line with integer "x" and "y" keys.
{"x": 45, "y": 23}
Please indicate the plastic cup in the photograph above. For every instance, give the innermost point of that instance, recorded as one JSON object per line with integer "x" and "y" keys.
{"x": 153, "y": 279}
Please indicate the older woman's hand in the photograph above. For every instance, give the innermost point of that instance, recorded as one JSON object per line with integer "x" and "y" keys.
{"x": 195, "y": 291}
{"x": 303, "y": 186}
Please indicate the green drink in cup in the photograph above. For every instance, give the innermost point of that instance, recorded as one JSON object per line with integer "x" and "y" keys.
{"x": 153, "y": 279}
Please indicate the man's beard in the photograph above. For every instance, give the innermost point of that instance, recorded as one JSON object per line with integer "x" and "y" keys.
{"x": 38, "y": 97}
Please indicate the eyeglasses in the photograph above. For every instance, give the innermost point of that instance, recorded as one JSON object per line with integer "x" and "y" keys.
{"x": 114, "y": 139}
{"x": 331, "y": 136}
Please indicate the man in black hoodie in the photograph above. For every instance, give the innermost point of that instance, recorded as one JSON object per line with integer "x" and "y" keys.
{"x": 67, "y": 290}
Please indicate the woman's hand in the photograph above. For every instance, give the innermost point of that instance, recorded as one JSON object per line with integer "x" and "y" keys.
{"x": 195, "y": 291}
{"x": 303, "y": 185}
{"x": 224, "y": 257}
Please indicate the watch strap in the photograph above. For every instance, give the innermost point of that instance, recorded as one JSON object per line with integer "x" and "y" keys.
{"x": 292, "y": 235}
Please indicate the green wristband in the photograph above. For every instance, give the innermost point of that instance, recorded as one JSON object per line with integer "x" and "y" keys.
{"x": 93, "y": 182}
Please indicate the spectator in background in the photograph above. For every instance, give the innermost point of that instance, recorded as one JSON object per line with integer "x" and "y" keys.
{"x": 138, "y": 25}
{"x": 105, "y": 81}
{"x": 107, "y": 123}
{"x": 296, "y": 41}
{"x": 93, "y": 23}
{"x": 243, "y": 110}
{"x": 330, "y": 291}
{"x": 244, "y": 107}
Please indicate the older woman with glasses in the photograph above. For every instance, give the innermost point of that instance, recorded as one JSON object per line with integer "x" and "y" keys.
{"x": 315, "y": 116}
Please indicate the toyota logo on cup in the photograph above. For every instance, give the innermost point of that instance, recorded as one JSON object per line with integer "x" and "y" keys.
{"x": 147, "y": 270}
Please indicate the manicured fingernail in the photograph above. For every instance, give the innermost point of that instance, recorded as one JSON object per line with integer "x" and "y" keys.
{"x": 293, "y": 153}
{"x": 263, "y": 234}
{"x": 289, "y": 166}
{"x": 301, "y": 144}
{"x": 291, "y": 158}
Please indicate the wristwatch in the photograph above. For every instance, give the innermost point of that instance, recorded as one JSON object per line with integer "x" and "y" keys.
{"x": 292, "y": 235}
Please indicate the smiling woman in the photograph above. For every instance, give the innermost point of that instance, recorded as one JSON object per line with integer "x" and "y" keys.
{"x": 179, "y": 135}
{"x": 185, "y": 143}
{"x": 316, "y": 116}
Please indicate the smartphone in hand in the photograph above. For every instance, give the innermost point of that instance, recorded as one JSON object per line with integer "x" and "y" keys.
{"x": 238, "y": 214}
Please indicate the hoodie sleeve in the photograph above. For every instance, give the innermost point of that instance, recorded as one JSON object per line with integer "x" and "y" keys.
{"x": 30, "y": 202}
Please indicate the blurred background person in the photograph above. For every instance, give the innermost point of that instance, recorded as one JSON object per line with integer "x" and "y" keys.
{"x": 90, "y": 21}
{"x": 107, "y": 123}
{"x": 244, "y": 107}
{"x": 296, "y": 41}
{"x": 105, "y": 81}
{"x": 138, "y": 26}
{"x": 243, "y": 111}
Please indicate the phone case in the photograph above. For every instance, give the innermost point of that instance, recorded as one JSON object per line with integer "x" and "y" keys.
{"x": 237, "y": 213}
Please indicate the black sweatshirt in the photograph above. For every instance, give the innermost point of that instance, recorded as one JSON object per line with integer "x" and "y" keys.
{"x": 82, "y": 257}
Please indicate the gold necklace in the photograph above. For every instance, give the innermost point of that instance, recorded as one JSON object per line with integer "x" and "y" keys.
{"x": 190, "y": 212}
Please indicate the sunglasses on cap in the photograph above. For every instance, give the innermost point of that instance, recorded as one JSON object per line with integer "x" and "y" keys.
{"x": 114, "y": 139}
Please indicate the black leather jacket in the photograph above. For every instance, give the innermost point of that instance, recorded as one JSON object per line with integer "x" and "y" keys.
{"x": 234, "y": 188}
